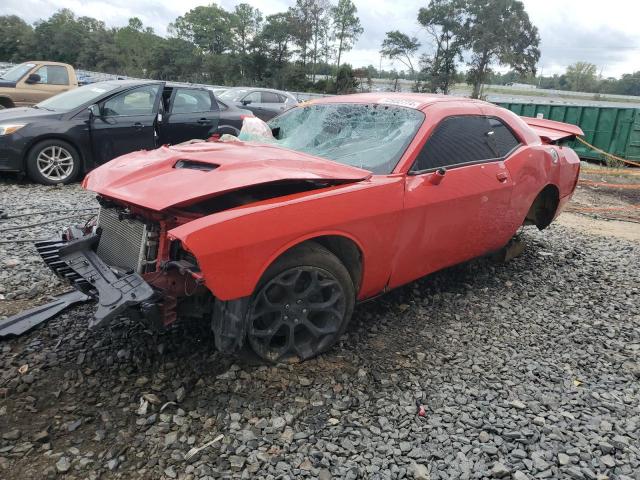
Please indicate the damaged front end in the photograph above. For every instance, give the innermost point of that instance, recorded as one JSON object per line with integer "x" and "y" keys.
{"x": 124, "y": 260}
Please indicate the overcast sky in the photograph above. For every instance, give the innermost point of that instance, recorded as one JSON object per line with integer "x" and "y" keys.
{"x": 602, "y": 32}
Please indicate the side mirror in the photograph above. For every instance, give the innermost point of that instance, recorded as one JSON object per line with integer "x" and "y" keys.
{"x": 246, "y": 102}
{"x": 94, "y": 110}
{"x": 33, "y": 78}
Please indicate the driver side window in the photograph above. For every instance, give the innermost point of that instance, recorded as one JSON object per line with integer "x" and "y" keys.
{"x": 464, "y": 140}
{"x": 139, "y": 101}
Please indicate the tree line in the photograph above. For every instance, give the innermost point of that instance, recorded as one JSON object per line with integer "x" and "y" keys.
{"x": 303, "y": 48}
{"x": 578, "y": 77}
{"x": 478, "y": 35}
{"x": 207, "y": 44}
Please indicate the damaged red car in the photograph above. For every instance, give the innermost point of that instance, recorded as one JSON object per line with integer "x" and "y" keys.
{"x": 274, "y": 240}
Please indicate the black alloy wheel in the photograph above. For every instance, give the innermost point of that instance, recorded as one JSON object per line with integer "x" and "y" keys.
{"x": 302, "y": 310}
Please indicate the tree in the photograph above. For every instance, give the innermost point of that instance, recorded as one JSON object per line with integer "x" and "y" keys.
{"x": 581, "y": 76}
{"x": 274, "y": 39}
{"x": 401, "y": 47}
{"x": 346, "y": 27}
{"x": 319, "y": 17}
{"x": 245, "y": 26}
{"x": 16, "y": 38}
{"x": 499, "y": 31}
{"x": 629, "y": 84}
{"x": 345, "y": 80}
{"x": 443, "y": 22}
{"x": 134, "y": 44}
{"x": 60, "y": 38}
{"x": 208, "y": 27}
{"x": 301, "y": 26}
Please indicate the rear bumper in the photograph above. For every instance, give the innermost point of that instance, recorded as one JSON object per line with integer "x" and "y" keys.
{"x": 77, "y": 262}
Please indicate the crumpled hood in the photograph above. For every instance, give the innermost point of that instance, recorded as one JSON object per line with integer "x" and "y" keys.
{"x": 150, "y": 179}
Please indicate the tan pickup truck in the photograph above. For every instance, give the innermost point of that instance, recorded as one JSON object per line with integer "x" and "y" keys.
{"x": 32, "y": 82}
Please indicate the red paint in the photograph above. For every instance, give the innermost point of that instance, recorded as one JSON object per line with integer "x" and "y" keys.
{"x": 552, "y": 131}
{"x": 405, "y": 226}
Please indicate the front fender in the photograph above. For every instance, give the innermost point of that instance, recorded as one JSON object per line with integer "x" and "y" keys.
{"x": 234, "y": 247}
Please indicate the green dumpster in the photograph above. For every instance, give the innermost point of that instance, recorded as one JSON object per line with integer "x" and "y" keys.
{"x": 614, "y": 130}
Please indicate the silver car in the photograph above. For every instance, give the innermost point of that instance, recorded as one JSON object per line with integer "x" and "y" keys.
{"x": 265, "y": 103}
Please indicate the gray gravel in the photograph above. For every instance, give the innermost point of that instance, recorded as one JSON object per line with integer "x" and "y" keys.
{"x": 526, "y": 370}
{"x": 21, "y": 274}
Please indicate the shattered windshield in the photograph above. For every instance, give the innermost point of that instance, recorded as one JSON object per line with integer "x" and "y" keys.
{"x": 369, "y": 136}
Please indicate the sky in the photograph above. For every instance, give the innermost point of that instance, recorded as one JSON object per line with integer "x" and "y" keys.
{"x": 603, "y": 33}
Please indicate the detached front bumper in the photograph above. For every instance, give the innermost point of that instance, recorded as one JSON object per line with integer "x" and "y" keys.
{"x": 77, "y": 262}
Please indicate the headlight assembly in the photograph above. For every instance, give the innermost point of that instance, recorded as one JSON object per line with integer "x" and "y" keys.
{"x": 9, "y": 128}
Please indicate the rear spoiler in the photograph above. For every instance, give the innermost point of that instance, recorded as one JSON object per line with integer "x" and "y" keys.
{"x": 551, "y": 131}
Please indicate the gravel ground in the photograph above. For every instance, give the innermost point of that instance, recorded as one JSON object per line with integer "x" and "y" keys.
{"x": 528, "y": 369}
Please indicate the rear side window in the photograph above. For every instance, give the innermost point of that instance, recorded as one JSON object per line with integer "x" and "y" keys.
{"x": 465, "y": 139}
{"x": 53, "y": 75}
{"x": 501, "y": 139}
{"x": 191, "y": 101}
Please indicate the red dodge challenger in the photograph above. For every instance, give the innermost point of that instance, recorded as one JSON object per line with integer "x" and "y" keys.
{"x": 275, "y": 240}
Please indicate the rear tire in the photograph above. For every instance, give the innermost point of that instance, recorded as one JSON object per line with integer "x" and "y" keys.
{"x": 53, "y": 162}
{"x": 301, "y": 306}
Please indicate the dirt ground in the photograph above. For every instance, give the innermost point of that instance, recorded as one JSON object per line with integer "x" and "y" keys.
{"x": 606, "y": 203}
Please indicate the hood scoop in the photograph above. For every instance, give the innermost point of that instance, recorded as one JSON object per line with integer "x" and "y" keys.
{"x": 196, "y": 165}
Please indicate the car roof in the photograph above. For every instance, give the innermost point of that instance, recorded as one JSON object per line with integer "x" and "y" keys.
{"x": 260, "y": 89}
{"x": 125, "y": 83}
{"x": 46, "y": 62}
{"x": 418, "y": 101}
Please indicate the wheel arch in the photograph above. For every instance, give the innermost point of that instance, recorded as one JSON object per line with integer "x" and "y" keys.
{"x": 344, "y": 246}
{"x": 55, "y": 136}
{"x": 544, "y": 207}
{"x": 6, "y": 102}
{"x": 226, "y": 128}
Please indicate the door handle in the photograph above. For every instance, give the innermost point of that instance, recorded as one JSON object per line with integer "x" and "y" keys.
{"x": 138, "y": 125}
{"x": 204, "y": 121}
{"x": 502, "y": 176}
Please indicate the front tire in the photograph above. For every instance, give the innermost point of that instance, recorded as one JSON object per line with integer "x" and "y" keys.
{"x": 301, "y": 307}
{"x": 53, "y": 162}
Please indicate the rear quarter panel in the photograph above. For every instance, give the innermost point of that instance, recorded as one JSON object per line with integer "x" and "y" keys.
{"x": 235, "y": 247}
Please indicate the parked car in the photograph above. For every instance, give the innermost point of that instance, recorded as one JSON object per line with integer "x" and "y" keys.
{"x": 273, "y": 242}
{"x": 231, "y": 118}
{"x": 32, "y": 82}
{"x": 71, "y": 133}
{"x": 265, "y": 103}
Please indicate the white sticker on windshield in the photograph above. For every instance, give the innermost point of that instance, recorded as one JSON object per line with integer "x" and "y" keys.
{"x": 98, "y": 90}
{"x": 399, "y": 102}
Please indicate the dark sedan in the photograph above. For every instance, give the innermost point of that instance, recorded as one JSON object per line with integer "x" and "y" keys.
{"x": 71, "y": 133}
{"x": 265, "y": 103}
{"x": 231, "y": 118}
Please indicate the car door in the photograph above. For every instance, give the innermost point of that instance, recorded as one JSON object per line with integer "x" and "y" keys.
{"x": 192, "y": 113}
{"x": 126, "y": 123}
{"x": 53, "y": 79}
{"x": 457, "y": 197}
{"x": 253, "y": 101}
{"x": 272, "y": 104}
